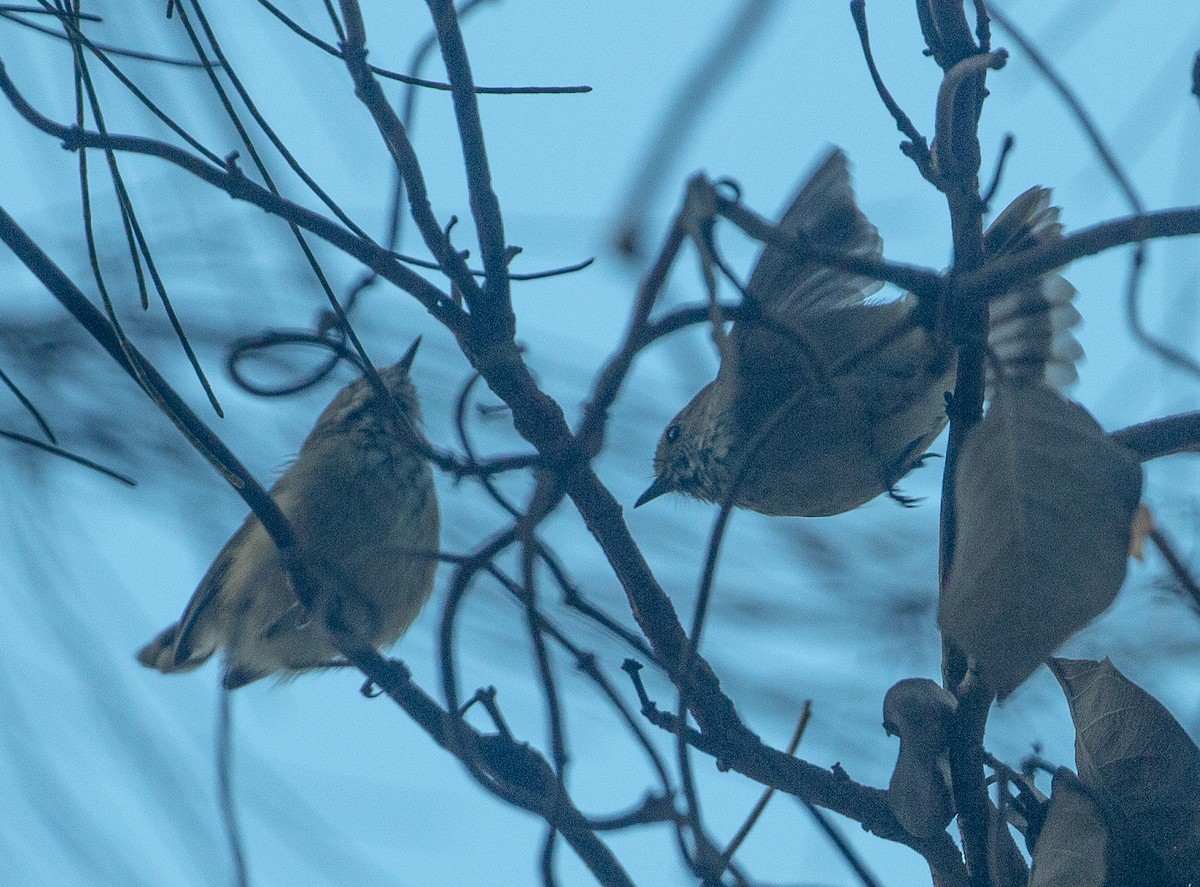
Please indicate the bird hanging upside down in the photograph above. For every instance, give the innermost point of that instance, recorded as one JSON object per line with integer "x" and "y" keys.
{"x": 855, "y": 391}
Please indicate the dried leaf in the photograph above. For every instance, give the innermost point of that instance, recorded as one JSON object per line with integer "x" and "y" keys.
{"x": 1005, "y": 861}
{"x": 1045, "y": 505}
{"x": 1143, "y": 526}
{"x": 1073, "y": 847}
{"x": 1137, "y": 761}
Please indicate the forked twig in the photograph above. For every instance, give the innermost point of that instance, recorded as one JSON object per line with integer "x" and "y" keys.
{"x": 794, "y": 743}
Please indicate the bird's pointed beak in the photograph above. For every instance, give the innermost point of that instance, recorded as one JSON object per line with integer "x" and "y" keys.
{"x": 406, "y": 361}
{"x": 661, "y": 485}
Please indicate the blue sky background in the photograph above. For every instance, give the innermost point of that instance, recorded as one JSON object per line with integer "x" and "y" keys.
{"x": 107, "y": 769}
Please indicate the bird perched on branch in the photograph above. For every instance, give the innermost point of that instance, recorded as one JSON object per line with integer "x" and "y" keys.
{"x": 838, "y": 396}
{"x": 361, "y": 501}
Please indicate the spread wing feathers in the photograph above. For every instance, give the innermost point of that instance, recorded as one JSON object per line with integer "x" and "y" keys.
{"x": 825, "y": 212}
{"x": 1030, "y": 336}
{"x": 808, "y": 312}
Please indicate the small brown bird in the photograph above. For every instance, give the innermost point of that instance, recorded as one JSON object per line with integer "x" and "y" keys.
{"x": 865, "y": 383}
{"x": 361, "y": 501}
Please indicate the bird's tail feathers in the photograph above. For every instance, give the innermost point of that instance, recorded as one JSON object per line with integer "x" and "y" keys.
{"x": 1030, "y": 336}
{"x": 162, "y": 653}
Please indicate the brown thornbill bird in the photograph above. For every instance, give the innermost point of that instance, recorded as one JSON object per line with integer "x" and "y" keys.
{"x": 361, "y": 501}
{"x": 862, "y": 385}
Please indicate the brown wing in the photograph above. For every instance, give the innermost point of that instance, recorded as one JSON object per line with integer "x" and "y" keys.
{"x": 196, "y": 638}
{"x": 791, "y": 344}
{"x": 824, "y": 211}
{"x": 774, "y": 366}
{"x": 190, "y": 641}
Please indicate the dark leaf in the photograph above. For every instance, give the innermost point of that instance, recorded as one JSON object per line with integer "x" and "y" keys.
{"x": 1073, "y": 847}
{"x": 1045, "y": 504}
{"x": 1137, "y": 761}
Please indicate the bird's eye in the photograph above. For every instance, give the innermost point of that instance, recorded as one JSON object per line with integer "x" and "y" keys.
{"x": 672, "y": 434}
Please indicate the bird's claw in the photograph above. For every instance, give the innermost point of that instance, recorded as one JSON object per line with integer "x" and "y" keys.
{"x": 925, "y": 457}
{"x": 907, "y": 501}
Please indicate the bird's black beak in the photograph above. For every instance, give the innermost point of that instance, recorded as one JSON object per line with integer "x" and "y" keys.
{"x": 661, "y": 485}
{"x": 406, "y": 361}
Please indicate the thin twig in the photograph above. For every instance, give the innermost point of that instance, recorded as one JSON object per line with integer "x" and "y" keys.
{"x": 144, "y": 373}
{"x": 507, "y": 760}
{"x": 848, "y": 853}
{"x": 231, "y": 180}
{"x": 541, "y": 791}
{"x": 293, "y": 26}
{"x": 1187, "y": 582}
{"x": 72, "y": 14}
{"x": 1005, "y": 147}
{"x": 756, "y": 813}
{"x": 14, "y": 15}
{"x": 491, "y": 307}
{"x": 916, "y": 148}
{"x": 228, "y": 804}
{"x": 138, "y": 244}
{"x": 548, "y": 877}
{"x": 68, "y": 455}
{"x": 391, "y": 129}
{"x": 313, "y": 263}
{"x": 28, "y": 405}
{"x": 1103, "y": 150}
{"x": 609, "y": 380}
{"x": 530, "y": 548}
{"x": 78, "y": 39}
{"x": 586, "y": 663}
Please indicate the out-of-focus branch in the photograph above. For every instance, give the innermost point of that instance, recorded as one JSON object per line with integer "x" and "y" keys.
{"x": 1183, "y": 576}
{"x": 1108, "y": 159}
{"x": 678, "y": 122}
{"x": 1161, "y": 437}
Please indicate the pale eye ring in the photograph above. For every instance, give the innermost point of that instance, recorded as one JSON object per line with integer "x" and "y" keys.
{"x": 672, "y": 434}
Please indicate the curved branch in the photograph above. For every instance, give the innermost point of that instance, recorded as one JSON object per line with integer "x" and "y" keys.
{"x": 233, "y": 182}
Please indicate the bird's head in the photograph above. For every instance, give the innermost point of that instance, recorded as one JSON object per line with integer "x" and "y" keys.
{"x": 693, "y": 452}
